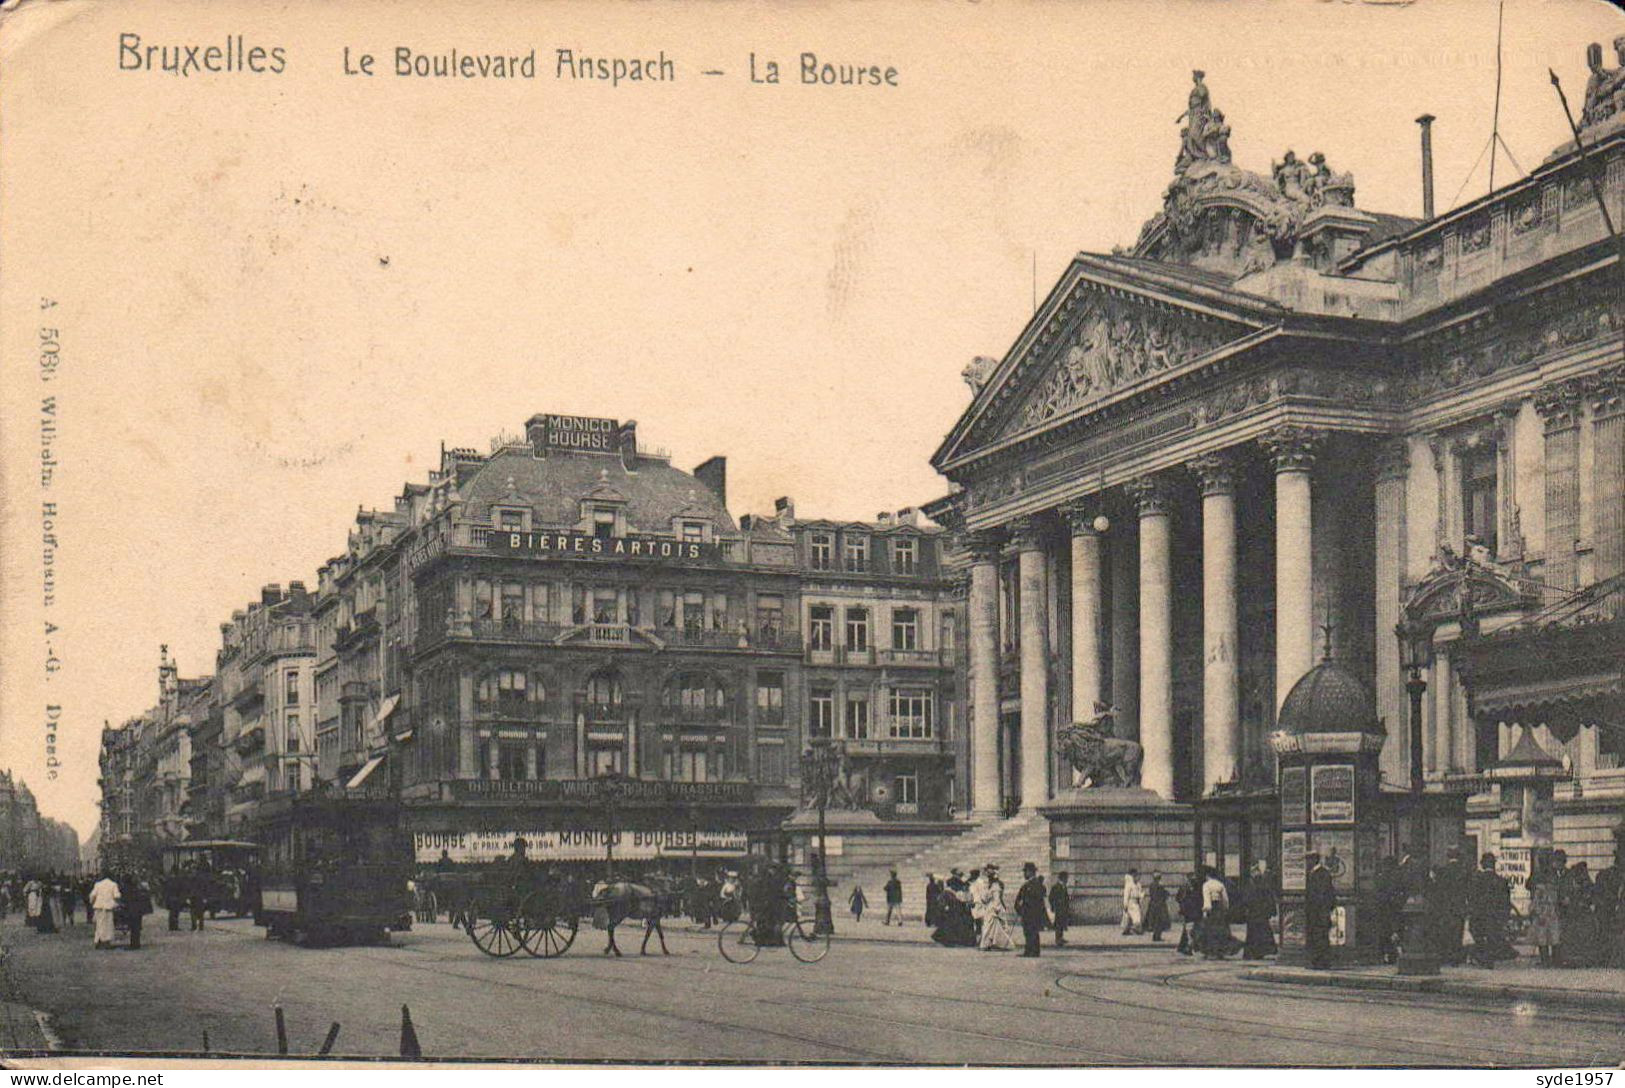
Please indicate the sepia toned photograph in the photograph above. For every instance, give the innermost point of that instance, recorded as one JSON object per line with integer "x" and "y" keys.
{"x": 707, "y": 534}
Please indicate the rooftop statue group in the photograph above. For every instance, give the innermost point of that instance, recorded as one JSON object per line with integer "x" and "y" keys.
{"x": 1605, "y": 90}
{"x": 1205, "y": 138}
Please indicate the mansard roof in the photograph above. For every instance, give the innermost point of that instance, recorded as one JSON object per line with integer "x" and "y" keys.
{"x": 555, "y": 486}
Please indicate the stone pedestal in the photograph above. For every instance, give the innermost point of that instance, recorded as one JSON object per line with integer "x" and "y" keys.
{"x": 1100, "y": 833}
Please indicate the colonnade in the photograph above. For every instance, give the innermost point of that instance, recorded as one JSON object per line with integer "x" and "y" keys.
{"x": 1292, "y": 450}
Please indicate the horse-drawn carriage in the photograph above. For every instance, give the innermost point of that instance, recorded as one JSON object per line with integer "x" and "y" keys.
{"x": 506, "y": 909}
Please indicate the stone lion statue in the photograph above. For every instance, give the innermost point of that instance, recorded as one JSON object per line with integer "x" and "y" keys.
{"x": 1100, "y": 758}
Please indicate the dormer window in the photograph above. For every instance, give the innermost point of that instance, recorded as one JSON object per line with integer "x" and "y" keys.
{"x": 857, "y": 553}
{"x": 904, "y": 555}
{"x": 603, "y": 522}
{"x": 821, "y": 550}
{"x": 692, "y": 531}
{"x": 511, "y": 520}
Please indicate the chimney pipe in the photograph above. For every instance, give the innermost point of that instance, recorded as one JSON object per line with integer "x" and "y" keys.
{"x": 1426, "y": 121}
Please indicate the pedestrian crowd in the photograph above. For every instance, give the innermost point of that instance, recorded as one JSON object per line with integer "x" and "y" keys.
{"x": 49, "y": 903}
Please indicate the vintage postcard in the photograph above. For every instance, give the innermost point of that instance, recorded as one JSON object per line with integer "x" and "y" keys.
{"x": 711, "y": 533}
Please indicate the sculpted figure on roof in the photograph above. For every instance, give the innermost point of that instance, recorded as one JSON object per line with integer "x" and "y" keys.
{"x": 1606, "y": 86}
{"x": 1199, "y": 127}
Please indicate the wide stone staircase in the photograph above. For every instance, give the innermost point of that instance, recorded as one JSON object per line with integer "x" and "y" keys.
{"x": 1006, "y": 843}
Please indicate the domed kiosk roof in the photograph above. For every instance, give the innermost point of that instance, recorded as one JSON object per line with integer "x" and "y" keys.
{"x": 1329, "y": 698}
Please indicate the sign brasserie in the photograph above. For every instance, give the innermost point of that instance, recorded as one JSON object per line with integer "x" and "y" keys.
{"x": 591, "y": 791}
{"x": 581, "y": 433}
{"x": 587, "y": 546}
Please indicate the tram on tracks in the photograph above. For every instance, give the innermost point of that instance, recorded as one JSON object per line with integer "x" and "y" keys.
{"x": 334, "y": 869}
{"x": 223, "y": 872}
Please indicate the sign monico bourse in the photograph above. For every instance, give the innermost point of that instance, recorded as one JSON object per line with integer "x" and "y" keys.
{"x": 580, "y": 433}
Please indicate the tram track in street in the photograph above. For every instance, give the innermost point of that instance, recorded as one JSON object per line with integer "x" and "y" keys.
{"x": 1474, "y": 1052}
{"x": 1412, "y": 1048}
{"x": 621, "y": 1005}
{"x": 1083, "y": 1054}
{"x": 1387, "y": 1050}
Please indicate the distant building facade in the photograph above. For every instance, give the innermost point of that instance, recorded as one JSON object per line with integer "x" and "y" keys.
{"x": 29, "y": 841}
{"x": 569, "y": 630}
{"x": 265, "y": 678}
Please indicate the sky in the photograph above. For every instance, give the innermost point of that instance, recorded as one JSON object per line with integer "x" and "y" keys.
{"x": 278, "y": 294}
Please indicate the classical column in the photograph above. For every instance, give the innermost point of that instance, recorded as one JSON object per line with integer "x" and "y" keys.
{"x": 984, "y": 671}
{"x": 1085, "y": 525}
{"x": 1123, "y": 558}
{"x": 1156, "y": 638}
{"x": 1392, "y": 464}
{"x": 1221, "y": 701}
{"x": 1293, "y": 449}
{"x": 1031, "y": 536}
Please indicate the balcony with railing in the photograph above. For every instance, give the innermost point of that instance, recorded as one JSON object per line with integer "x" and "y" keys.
{"x": 925, "y": 659}
{"x": 356, "y": 691}
{"x": 511, "y": 709}
{"x": 608, "y": 715}
{"x": 681, "y": 714}
{"x": 878, "y": 744}
{"x": 250, "y": 739}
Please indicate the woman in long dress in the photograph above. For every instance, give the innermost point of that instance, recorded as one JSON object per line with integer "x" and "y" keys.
{"x": 1258, "y": 901}
{"x": 1545, "y": 923}
{"x": 1133, "y": 904}
{"x": 1582, "y": 939}
{"x": 47, "y": 909}
{"x": 954, "y": 926}
{"x": 33, "y": 899}
{"x": 995, "y": 929}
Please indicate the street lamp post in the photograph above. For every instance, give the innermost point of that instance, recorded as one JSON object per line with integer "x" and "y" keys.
{"x": 607, "y": 782}
{"x": 1416, "y": 656}
{"x": 825, "y": 757}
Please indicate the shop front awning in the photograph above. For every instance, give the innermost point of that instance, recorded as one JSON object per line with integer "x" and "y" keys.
{"x": 384, "y": 711}
{"x": 703, "y": 852}
{"x": 361, "y": 776}
{"x": 1561, "y": 675}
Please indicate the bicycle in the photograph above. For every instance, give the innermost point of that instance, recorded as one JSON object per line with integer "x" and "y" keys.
{"x": 737, "y": 941}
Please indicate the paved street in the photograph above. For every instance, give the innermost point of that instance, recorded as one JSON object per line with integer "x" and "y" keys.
{"x": 866, "y": 1002}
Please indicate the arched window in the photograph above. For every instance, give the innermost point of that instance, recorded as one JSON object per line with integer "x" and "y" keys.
{"x": 604, "y": 689}
{"x": 696, "y": 696}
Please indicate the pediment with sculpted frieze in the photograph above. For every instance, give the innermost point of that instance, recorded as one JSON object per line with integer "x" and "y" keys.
{"x": 1111, "y": 343}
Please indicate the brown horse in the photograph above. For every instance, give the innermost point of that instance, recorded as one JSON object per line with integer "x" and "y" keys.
{"x": 622, "y": 899}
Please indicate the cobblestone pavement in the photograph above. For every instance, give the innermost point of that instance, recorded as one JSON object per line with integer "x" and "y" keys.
{"x": 866, "y": 1002}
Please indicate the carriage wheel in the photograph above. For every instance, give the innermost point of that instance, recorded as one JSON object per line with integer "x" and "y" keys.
{"x": 497, "y": 936}
{"x": 737, "y": 942}
{"x": 805, "y": 944}
{"x": 547, "y": 931}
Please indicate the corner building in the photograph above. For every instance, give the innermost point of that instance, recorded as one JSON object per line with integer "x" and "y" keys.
{"x": 1272, "y": 429}
{"x": 580, "y": 609}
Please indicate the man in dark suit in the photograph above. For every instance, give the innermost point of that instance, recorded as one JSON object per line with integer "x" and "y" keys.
{"x": 1320, "y": 899}
{"x": 1447, "y": 907}
{"x": 1489, "y": 903}
{"x": 1031, "y": 909}
{"x": 1060, "y": 908}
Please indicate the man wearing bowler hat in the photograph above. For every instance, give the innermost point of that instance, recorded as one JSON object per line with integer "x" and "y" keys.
{"x": 1320, "y": 899}
{"x": 1032, "y": 909}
